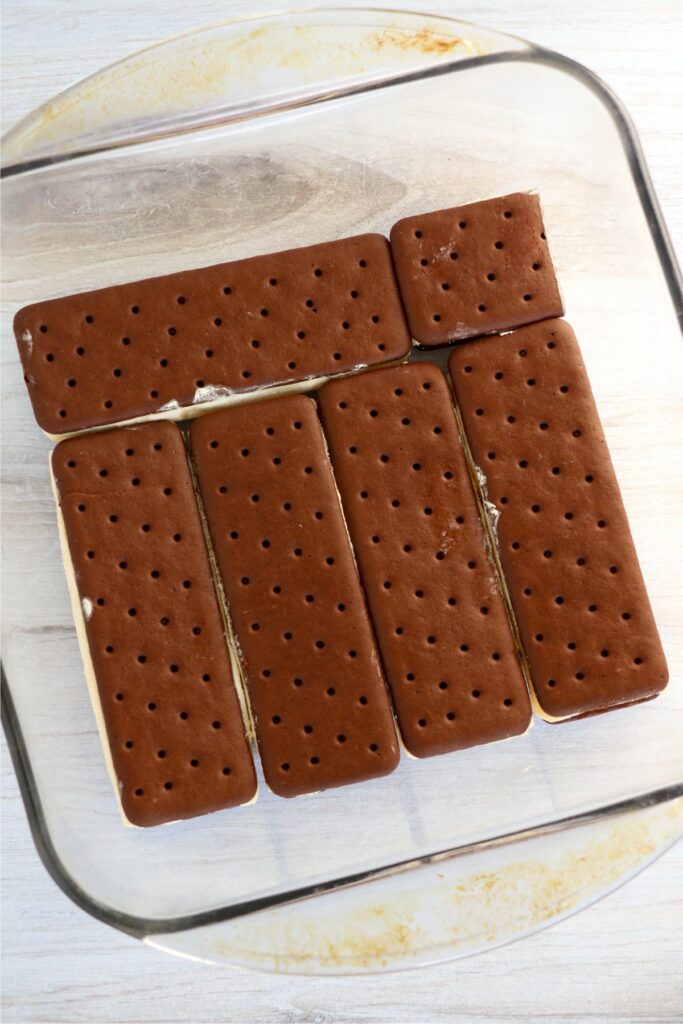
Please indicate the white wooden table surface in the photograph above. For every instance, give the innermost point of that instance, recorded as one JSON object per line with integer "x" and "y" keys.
{"x": 622, "y": 960}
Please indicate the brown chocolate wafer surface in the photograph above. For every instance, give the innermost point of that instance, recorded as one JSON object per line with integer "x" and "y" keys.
{"x": 440, "y": 619}
{"x": 565, "y": 545}
{"x": 475, "y": 269}
{"x": 321, "y": 709}
{"x": 131, "y": 350}
{"x": 154, "y": 628}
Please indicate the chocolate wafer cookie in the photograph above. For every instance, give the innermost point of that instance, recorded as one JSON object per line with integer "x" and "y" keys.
{"x": 169, "y": 343}
{"x": 156, "y": 647}
{"x": 475, "y": 269}
{"x": 320, "y": 705}
{"x": 440, "y": 619}
{"x": 565, "y": 545}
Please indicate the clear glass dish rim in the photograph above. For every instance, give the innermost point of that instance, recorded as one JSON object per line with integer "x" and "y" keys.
{"x": 142, "y": 927}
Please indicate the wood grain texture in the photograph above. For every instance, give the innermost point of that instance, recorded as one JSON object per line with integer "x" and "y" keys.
{"x": 620, "y": 961}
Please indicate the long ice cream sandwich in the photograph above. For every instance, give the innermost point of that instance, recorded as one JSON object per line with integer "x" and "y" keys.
{"x": 441, "y": 622}
{"x": 148, "y": 616}
{"x": 170, "y": 346}
{"x": 319, "y": 702}
{"x": 565, "y": 546}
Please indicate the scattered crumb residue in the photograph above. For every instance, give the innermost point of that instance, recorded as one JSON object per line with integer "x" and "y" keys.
{"x": 447, "y": 538}
{"x": 478, "y": 472}
{"x": 433, "y": 915}
{"x": 460, "y": 332}
{"x": 444, "y": 253}
{"x": 494, "y": 515}
{"x": 424, "y": 41}
{"x": 238, "y": 647}
{"x": 210, "y": 392}
{"x": 198, "y": 70}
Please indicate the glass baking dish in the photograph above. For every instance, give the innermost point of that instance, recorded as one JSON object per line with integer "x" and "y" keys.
{"x": 264, "y": 134}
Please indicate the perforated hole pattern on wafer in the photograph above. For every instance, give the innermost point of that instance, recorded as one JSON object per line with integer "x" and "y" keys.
{"x": 440, "y": 620}
{"x": 322, "y": 713}
{"x": 564, "y": 539}
{"x": 129, "y": 350}
{"x": 154, "y": 628}
{"x": 475, "y": 269}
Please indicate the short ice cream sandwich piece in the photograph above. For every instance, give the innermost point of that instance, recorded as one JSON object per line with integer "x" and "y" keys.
{"x": 475, "y": 269}
{"x": 565, "y": 546}
{"x": 440, "y": 619}
{"x": 168, "y": 344}
{"x": 150, "y": 624}
{"x": 320, "y": 706}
